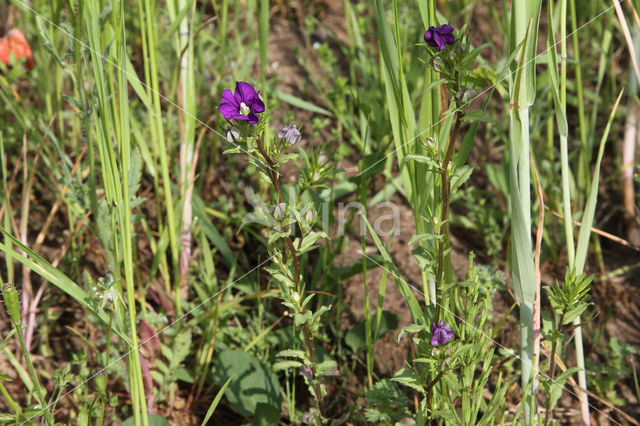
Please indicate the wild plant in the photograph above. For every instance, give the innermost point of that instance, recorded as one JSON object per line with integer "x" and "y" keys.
{"x": 289, "y": 218}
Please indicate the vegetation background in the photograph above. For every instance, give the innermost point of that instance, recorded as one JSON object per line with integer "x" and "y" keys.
{"x": 142, "y": 288}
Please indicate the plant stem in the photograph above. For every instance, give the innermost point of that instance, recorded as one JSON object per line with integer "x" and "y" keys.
{"x": 443, "y": 230}
{"x": 10, "y": 297}
{"x": 306, "y": 330}
{"x": 552, "y": 370}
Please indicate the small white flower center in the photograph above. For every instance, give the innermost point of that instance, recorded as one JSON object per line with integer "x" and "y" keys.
{"x": 244, "y": 109}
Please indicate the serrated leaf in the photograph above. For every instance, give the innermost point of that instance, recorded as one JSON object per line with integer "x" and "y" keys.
{"x": 285, "y": 365}
{"x": 292, "y": 353}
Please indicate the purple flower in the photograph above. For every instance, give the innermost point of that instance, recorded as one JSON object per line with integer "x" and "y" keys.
{"x": 439, "y": 36}
{"x": 440, "y": 334}
{"x": 244, "y": 104}
{"x": 289, "y": 133}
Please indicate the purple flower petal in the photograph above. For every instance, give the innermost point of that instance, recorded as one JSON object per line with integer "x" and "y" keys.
{"x": 448, "y": 38}
{"x": 227, "y": 97}
{"x": 243, "y": 105}
{"x": 252, "y": 117}
{"x": 444, "y": 29}
{"x": 240, "y": 116}
{"x": 227, "y": 110}
{"x": 438, "y": 41}
{"x": 428, "y": 37}
{"x": 440, "y": 334}
{"x": 257, "y": 105}
{"x": 440, "y": 36}
{"x": 228, "y": 106}
{"x": 246, "y": 92}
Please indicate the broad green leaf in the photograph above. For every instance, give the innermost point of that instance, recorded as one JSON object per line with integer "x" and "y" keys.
{"x": 252, "y": 382}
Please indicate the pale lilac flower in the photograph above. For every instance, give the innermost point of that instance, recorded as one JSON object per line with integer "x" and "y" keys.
{"x": 440, "y": 334}
{"x": 290, "y": 134}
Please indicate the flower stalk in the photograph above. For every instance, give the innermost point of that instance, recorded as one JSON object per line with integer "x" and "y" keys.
{"x": 308, "y": 341}
{"x": 443, "y": 231}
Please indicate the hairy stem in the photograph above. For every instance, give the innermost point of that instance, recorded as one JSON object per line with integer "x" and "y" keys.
{"x": 306, "y": 330}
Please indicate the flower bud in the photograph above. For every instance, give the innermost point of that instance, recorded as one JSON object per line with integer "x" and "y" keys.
{"x": 279, "y": 210}
{"x": 12, "y": 303}
{"x": 323, "y": 158}
{"x": 309, "y": 216}
{"x": 466, "y": 94}
{"x": 436, "y": 63}
{"x": 233, "y": 134}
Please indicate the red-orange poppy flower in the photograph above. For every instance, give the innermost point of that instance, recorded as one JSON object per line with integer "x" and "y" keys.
{"x": 15, "y": 42}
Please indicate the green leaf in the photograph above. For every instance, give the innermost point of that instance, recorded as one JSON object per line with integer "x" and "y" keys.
{"x": 460, "y": 176}
{"x": 408, "y": 378}
{"x": 590, "y": 206}
{"x": 574, "y": 313}
{"x": 405, "y": 290}
{"x": 557, "y": 386}
{"x": 285, "y": 365}
{"x": 134, "y": 173}
{"x": 265, "y": 415}
{"x": 43, "y": 268}
{"x": 433, "y": 84}
{"x": 371, "y": 165}
{"x": 422, "y": 159}
{"x": 292, "y": 353}
{"x": 252, "y": 382}
{"x": 423, "y": 237}
{"x": 299, "y": 103}
{"x": 215, "y": 402}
